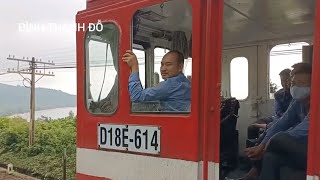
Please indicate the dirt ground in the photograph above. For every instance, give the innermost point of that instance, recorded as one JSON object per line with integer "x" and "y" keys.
{"x": 14, "y": 176}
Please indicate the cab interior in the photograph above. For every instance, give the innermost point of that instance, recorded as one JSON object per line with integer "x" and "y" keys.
{"x": 254, "y": 32}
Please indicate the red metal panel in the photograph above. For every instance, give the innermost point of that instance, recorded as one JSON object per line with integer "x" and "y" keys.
{"x": 180, "y": 134}
{"x": 314, "y": 127}
{"x": 212, "y": 82}
{"x": 214, "y": 100}
{"x": 98, "y": 3}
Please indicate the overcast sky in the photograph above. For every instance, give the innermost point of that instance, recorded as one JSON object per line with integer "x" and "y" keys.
{"x": 55, "y": 45}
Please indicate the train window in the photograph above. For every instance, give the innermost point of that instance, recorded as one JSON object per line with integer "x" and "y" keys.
{"x": 102, "y": 69}
{"x": 282, "y": 57}
{"x": 239, "y": 81}
{"x": 142, "y": 65}
{"x": 156, "y": 26}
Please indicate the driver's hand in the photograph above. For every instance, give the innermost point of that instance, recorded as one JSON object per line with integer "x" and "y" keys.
{"x": 131, "y": 59}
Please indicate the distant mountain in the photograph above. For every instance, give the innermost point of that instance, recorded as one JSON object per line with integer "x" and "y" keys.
{"x": 16, "y": 99}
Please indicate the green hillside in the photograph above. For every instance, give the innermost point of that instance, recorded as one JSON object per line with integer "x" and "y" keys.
{"x": 16, "y": 99}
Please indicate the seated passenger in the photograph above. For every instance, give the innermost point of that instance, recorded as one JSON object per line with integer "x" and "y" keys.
{"x": 282, "y": 101}
{"x": 174, "y": 93}
{"x": 285, "y": 143}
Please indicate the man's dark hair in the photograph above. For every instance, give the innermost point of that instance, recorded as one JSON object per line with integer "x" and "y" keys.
{"x": 285, "y": 72}
{"x": 301, "y": 68}
{"x": 180, "y": 56}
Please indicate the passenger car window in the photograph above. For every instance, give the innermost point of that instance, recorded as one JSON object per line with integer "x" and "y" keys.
{"x": 282, "y": 56}
{"x": 239, "y": 79}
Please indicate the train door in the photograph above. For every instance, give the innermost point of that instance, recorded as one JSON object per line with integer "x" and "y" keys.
{"x": 239, "y": 80}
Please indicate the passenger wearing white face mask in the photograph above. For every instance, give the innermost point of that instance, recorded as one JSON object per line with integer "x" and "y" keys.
{"x": 299, "y": 92}
{"x": 286, "y": 142}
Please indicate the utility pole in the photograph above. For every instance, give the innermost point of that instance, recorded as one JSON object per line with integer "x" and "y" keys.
{"x": 33, "y": 71}
{"x": 32, "y": 102}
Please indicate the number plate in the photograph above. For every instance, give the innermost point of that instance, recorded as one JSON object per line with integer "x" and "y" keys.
{"x": 144, "y": 139}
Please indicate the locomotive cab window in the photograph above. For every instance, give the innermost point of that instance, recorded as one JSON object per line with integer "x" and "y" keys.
{"x": 102, "y": 70}
{"x": 164, "y": 30}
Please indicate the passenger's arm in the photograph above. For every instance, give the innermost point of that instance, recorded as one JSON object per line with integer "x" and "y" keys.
{"x": 301, "y": 130}
{"x": 138, "y": 94}
{"x": 284, "y": 123}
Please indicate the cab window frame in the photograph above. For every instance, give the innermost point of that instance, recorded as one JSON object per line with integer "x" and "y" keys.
{"x": 87, "y": 69}
{"x": 153, "y": 47}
